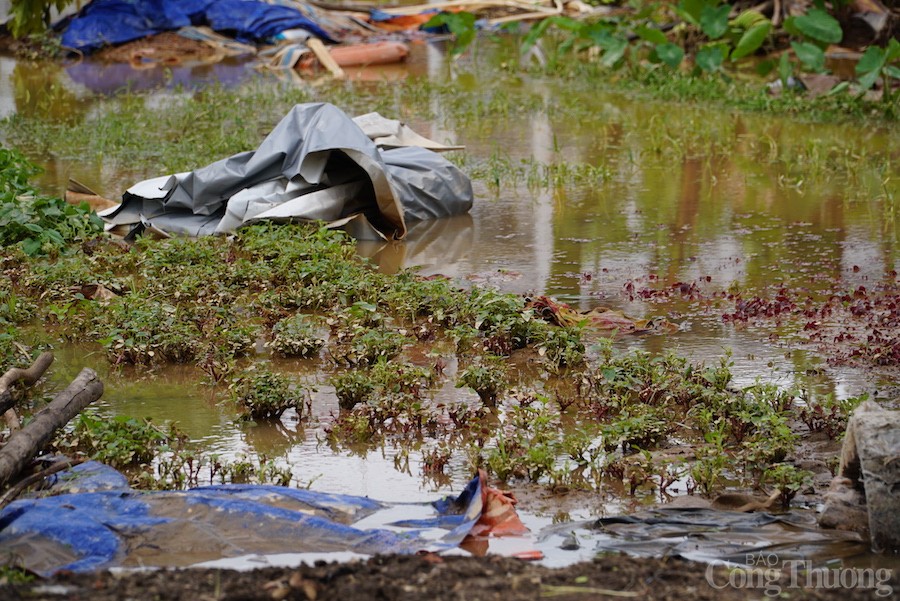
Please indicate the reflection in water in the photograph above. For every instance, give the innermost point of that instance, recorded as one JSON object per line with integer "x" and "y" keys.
{"x": 429, "y": 246}
{"x": 42, "y": 90}
{"x": 108, "y": 78}
{"x": 276, "y": 438}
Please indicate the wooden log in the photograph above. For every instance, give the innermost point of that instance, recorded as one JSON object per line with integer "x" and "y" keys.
{"x": 28, "y": 376}
{"x": 28, "y": 442}
{"x": 866, "y": 22}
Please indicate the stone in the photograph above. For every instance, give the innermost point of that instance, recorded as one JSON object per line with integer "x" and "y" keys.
{"x": 845, "y": 507}
{"x": 870, "y": 464}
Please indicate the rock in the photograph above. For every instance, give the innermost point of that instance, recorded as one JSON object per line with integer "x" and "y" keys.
{"x": 570, "y": 543}
{"x": 744, "y": 502}
{"x": 845, "y": 507}
{"x": 870, "y": 463}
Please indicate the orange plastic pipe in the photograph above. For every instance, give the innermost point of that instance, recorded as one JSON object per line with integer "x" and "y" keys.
{"x": 375, "y": 53}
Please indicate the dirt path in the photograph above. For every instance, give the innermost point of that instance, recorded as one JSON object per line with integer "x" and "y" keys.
{"x": 432, "y": 578}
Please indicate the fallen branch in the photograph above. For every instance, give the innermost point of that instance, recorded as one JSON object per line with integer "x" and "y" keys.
{"x": 27, "y": 442}
{"x": 14, "y": 491}
{"x": 321, "y": 52}
{"x": 28, "y": 377}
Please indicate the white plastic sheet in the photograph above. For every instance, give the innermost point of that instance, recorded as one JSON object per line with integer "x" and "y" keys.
{"x": 371, "y": 175}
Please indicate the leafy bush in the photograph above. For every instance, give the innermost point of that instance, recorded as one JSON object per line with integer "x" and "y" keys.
{"x": 265, "y": 395}
{"x": 487, "y": 376}
{"x": 119, "y": 441}
{"x": 789, "y": 480}
{"x": 32, "y": 16}
{"x": 363, "y": 346}
{"x": 352, "y": 387}
{"x": 41, "y": 224}
{"x": 297, "y": 336}
{"x": 562, "y": 347}
{"x": 829, "y": 415}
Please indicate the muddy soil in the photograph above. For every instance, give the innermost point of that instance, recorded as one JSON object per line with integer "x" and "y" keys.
{"x": 430, "y": 578}
{"x": 168, "y": 48}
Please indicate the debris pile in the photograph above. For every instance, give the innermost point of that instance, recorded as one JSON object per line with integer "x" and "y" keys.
{"x": 286, "y": 34}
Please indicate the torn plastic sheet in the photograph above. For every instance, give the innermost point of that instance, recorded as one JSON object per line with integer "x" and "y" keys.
{"x": 369, "y": 174}
{"x": 109, "y": 22}
{"x": 98, "y": 522}
{"x": 706, "y": 535}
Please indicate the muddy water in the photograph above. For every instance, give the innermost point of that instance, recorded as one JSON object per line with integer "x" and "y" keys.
{"x": 674, "y": 194}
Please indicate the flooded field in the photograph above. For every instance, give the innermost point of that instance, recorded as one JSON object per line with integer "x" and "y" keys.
{"x": 594, "y": 198}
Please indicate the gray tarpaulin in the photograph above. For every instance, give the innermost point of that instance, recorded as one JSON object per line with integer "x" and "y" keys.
{"x": 369, "y": 174}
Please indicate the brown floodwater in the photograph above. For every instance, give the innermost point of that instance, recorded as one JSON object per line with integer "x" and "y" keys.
{"x": 673, "y": 193}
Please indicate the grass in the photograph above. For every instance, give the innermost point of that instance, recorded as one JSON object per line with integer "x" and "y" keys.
{"x": 137, "y": 133}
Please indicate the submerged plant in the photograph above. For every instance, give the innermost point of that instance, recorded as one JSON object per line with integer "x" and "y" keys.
{"x": 41, "y": 224}
{"x": 352, "y": 387}
{"x": 435, "y": 459}
{"x": 640, "y": 427}
{"x": 297, "y": 336}
{"x": 829, "y": 415}
{"x": 266, "y": 395}
{"x": 562, "y": 347}
{"x": 120, "y": 441}
{"x": 366, "y": 346}
{"x": 487, "y": 376}
{"x": 787, "y": 479}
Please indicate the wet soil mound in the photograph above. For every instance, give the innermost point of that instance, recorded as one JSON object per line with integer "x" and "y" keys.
{"x": 427, "y": 578}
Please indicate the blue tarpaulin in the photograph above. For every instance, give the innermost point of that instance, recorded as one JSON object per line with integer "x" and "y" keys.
{"x": 99, "y": 522}
{"x": 110, "y": 22}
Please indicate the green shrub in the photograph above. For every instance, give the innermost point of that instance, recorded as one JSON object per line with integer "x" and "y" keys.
{"x": 297, "y": 336}
{"x": 488, "y": 377}
{"x": 265, "y": 395}
{"x": 40, "y": 224}
{"x": 119, "y": 441}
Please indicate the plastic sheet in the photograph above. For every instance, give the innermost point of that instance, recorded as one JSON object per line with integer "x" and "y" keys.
{"x": 707, "y": 535}
{"x": 368, "y": 174}
{"x": 110, "y": 22}
{"x": 116, "y": 526}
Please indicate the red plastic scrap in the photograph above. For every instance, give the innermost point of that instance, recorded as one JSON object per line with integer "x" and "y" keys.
{"x": 498, "y": 514}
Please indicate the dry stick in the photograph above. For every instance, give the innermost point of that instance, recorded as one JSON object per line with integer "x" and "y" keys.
{"x": 321, "y": 52}
{"x": 28, "y": 376}
{"x": 543, "y": 14}
{"x": 27, "y": 442}
{"x": 14, "y": 491}
{"x": 776, "y": 14}
{"x": 520, "y": 17}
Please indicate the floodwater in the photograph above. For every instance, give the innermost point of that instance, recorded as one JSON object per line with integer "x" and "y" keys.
{"x": 673, "y": 194}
